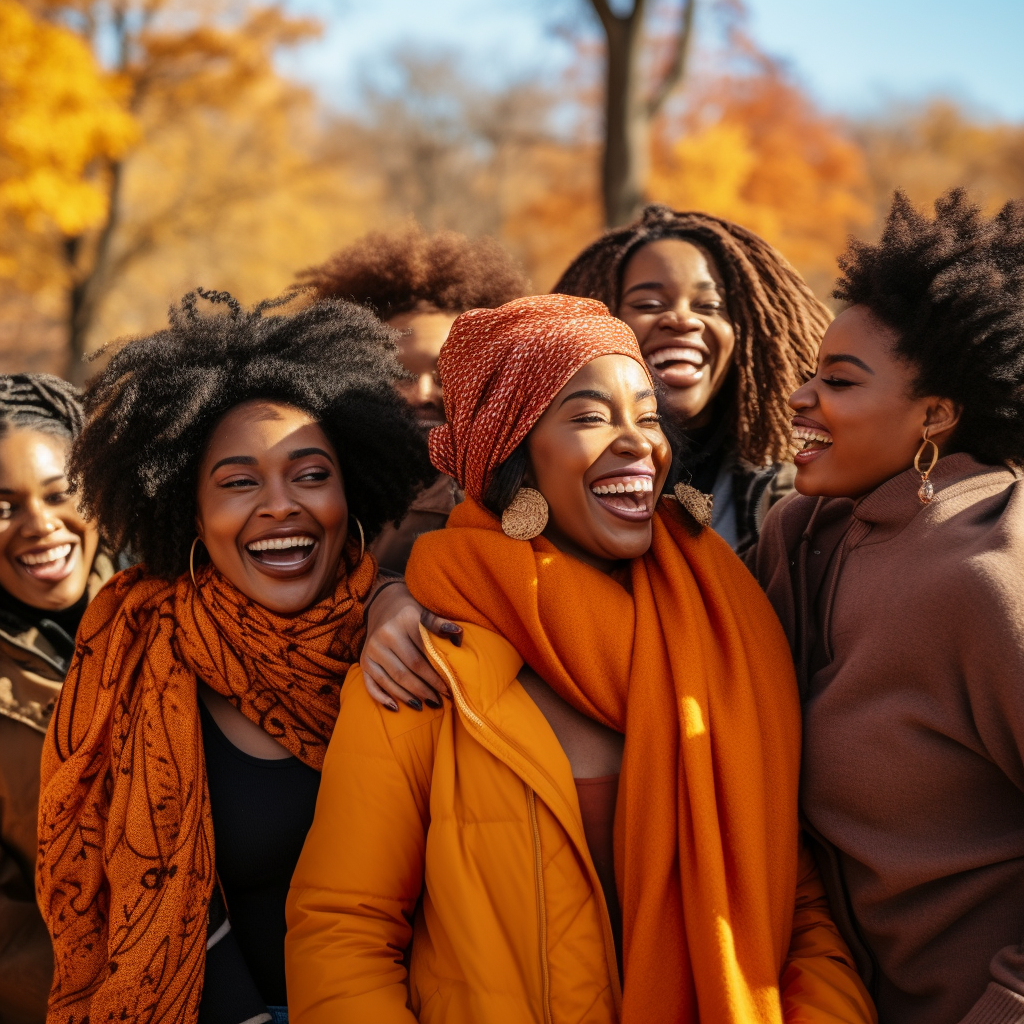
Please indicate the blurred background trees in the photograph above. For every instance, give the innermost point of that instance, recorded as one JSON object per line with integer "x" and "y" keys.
{"x": 147, "y": 146}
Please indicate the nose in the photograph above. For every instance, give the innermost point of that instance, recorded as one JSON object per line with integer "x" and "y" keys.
{"x": 805, "y": 397}
{"x": 632, "y": 441}
{"x": 427, "y": 390}
{"x": 682, "y": 319}
{"x": 277, "y": 502}
{"x": 40, "y": 521}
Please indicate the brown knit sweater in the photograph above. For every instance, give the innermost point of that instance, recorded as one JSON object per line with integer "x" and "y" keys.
{"x": 907, "y": 625}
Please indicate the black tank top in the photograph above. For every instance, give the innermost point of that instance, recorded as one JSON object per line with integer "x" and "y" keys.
{"x": 262, "y": 810}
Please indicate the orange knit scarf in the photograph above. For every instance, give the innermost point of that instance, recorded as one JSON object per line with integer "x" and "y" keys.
{"x": 126, "y": 857}
{"x": 693, "y": 667}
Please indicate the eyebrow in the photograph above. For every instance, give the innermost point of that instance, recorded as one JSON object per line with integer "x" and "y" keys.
{"x": 301, "y": 453}
{"x": 250, "y": 460}
{"x": 702, "y": 285}
{"x": 843, "y": 358}
{"x": 45, "y": 483}
{"x": 603, "y": 396}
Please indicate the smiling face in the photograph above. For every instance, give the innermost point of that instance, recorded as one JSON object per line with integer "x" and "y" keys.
{"x": 271, "y": 505}
{"x": 673, "y": 298}
{"x": 600, "y": 459}
{"x": 423, "y": 334}
{"x": 857, "y": 418}
{"x": 46, "y": 545}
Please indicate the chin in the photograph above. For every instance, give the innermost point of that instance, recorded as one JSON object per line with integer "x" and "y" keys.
{"x": 683, "y": 404}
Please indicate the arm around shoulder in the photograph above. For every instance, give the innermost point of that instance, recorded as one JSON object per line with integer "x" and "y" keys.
{"x": 354, "y": 892}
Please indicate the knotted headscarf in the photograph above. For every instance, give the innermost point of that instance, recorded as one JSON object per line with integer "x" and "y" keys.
{"x": 501, "y": 368}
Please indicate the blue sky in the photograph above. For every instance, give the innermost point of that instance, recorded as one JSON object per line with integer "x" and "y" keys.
{"x": 852, "y": 56}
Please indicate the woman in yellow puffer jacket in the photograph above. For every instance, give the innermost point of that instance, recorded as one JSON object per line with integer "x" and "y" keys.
{"x": 460, "y": 868}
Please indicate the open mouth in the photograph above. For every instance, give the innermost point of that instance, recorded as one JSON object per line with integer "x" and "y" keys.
{"x": 814, "y": 442}
{"x": 50, "y": 565}
{"x": 289, "y": 552}
{"x": 680, "y": 366}
{"x": 628, "y": 497}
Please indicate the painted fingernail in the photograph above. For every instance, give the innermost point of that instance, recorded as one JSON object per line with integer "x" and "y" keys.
{"x": 431, "y": 703}
{"x": 415, "y": 703}
{"x": 391, "y": 706}
{"x": 451, "y": 627}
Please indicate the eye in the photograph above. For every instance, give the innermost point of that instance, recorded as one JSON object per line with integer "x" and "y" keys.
{"x": 6, "y": 510}
{"x": 58, "y": 498}
{"x": 589, "y": 417}
{"x": 315, "y": 474}
{"x": 650, "y": 419}
{"x": 237, "y": 482}
{"x": 646, "y": 305}
{"x": 837, "y": 382}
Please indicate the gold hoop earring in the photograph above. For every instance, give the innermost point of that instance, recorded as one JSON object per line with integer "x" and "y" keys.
{"x": 362, "y": 540}
{"x": 927, "y": 489}
{"x": 526, "y": 515}
{"x": 192, "y": 563}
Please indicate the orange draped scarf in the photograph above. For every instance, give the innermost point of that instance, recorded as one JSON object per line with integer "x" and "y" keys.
{"x": 694, "y": 668}
{"x": 126, "y": 858}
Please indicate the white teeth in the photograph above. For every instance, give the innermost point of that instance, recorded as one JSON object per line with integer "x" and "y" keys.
{"x": 53, "y": 555}
{"x": 808, "y": 434}
{"x": 677, "y": 355}
{"x": 280, "y": 543}
{"x": 636, "y": 485}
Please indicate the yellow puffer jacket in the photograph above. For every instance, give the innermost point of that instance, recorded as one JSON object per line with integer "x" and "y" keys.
{"x": 459, "y": 831}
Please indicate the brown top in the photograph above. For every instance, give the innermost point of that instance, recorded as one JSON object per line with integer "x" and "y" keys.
{"x": 597, "y": 799}
{"x": 907, "y": 626}
{"x": 429, "y": 511}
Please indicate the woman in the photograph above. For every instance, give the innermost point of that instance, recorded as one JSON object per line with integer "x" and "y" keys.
{"x": 238, "y": 456}
{"x": 898, "y": 579}
{"x": 729, "y": 329}
{"x": 418, "y": 283}
{"x": 502, "y": 833}
{"x": 49, "y": 568}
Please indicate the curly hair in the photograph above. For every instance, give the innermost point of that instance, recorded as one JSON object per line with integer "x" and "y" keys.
{"x": 778, "y": 321}
{"x": 152, "y": 411}
{"x": 40, "y": 401}
{"x": 410, "y": 271}
{"x": 952, "y": 289}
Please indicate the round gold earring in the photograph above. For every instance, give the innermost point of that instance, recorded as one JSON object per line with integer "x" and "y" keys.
{"x": 362, "y": 540}
{"x": 927, "y": 489}
{"x": 192, "y": 563}
{"x": 526, "y": 515}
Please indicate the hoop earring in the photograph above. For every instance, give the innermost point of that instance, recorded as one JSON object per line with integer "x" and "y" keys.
{"x": 192, "y": 563}
{"x": 927, "y": 489}
{"x": 362, "y": 540}
{"x": 526, "y": 515}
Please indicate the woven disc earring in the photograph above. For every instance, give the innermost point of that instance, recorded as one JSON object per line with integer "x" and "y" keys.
{"x": 526, "y": 516}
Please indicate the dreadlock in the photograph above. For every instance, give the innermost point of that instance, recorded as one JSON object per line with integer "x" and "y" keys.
{"x": 40, "y": 401}
{"x": 777, "y": 319}
{"x": 154, "y": 407}
{"x": 410, "y": 271}
{"x": 952, "y": 289}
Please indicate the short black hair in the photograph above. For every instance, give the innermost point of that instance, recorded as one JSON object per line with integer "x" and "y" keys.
{"x": 153, "y": 409}
{"x": 952, "y": 289}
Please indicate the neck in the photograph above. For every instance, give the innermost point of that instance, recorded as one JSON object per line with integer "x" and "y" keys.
{"x": 607, "y": 566}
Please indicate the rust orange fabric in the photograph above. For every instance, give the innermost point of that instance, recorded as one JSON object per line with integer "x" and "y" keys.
{"x": 692, "y": 665}
{"x": 126, "y": 857}
{"x": 502, "y": 367}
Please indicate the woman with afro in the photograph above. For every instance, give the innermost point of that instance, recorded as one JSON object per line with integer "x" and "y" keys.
{"x": 897, "y": 573}
{"x": 238, "y": 455}
{"x": 728, "y": 329}
{"x": 419, "y": 283}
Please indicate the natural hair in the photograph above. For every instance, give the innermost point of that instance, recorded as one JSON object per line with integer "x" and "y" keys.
{"x": 952, "y": 290}
{"x": 153, "y": 409}
{"x": 410, "y": 271}
{"x": 40, "y": 401}
{"x": 777, "y": 319}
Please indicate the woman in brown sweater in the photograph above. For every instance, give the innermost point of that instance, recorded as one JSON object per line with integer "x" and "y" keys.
{"x": 897, "y": 572}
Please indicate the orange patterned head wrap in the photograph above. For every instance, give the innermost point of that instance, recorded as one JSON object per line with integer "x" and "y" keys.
{"x": 501, "y": 368}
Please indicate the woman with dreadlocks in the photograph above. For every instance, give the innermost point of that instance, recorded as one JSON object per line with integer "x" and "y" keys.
{"x": 50, "y": 566}
{"x": 897, "y": 574}
{"x": 728, "y": 329}
{"x": 238, "y": 456}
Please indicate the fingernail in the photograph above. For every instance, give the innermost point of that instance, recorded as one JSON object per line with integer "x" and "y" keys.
{"x": 456, "y": 638}
{"x": 415, "y": 703}
{"x": 451, "y": 627}
{"x": 435, "y": 704}
{"x": 391, "y": 706}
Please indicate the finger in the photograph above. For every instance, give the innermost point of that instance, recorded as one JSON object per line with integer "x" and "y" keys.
{"x": 377, "y": 693}
{"x": 411, "y": 678}
{"x": 393, "y": 689}
{"x": 441, "y": 627}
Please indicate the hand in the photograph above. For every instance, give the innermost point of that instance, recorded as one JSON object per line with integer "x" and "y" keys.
{"x": 394, "y": 661}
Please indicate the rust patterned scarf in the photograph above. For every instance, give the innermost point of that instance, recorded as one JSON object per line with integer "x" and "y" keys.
{"x": 126, "y": 859}
{"x": 692, "y": 665}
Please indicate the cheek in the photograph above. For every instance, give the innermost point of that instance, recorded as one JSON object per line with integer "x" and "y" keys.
{"x": 725, "y": 347}
{"x": 561, "y": 462}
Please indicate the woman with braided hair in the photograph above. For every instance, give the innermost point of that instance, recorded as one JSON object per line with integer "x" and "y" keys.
{"x": 238, "y": 454}
{"x": 728, "y": 329}
{"x": 49, "y": 569}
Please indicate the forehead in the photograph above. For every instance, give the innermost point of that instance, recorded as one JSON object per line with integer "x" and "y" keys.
{"x": 29, "y": 456}
{"x": 612, "y": 374}
{"x": 673, "y": 261}
{"x": 422, "y": 333}
{"x": 261, "y": 426}
{"x": 857, "y": 332}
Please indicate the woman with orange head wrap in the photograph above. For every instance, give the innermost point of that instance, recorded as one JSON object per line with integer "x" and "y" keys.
{"x": 601, "y": 825}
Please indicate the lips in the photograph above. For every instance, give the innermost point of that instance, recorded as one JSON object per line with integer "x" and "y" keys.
{"x": 814, "y": 439}
{"x": 628, "y": 497}
{"x": 291, "y": 551}
{"x": 679, "y": 365}
{"x": 49, "y": 565}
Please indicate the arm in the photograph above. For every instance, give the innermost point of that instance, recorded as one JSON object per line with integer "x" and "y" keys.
{"x": 354, "y": 892}
{"x": 819, "y": 981}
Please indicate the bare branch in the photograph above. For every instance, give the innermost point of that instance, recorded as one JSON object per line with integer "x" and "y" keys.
{"x": 676, "y": 71}
{"x": 609, "y": 19}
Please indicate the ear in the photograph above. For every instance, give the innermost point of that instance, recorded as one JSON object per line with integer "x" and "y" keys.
{"x": 941, "y": 417}
{"x": 199, "y": 528}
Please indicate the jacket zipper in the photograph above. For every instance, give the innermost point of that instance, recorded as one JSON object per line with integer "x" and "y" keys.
{"x": 465, "y": 709}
